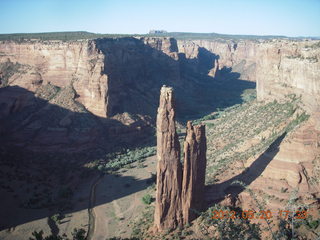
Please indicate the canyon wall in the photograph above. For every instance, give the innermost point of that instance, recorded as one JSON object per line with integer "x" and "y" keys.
{"x": 120, "y": 78}
{"x": 60, "y": 64}
{"x": 107, "y": 74}
{"x": 279, "y": 67}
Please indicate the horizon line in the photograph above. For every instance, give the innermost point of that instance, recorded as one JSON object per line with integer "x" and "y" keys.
{"x": 165, "y": 33}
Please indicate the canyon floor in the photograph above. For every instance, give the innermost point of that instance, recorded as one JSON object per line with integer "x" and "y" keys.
{"x": 103, "y": 213}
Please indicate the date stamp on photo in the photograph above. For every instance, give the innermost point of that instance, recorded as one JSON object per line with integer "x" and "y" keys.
{"x": 261, "y": 214}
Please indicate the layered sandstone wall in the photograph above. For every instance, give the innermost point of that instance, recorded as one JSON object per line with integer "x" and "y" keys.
{"x": 279, "y": 67}
{"x": 77, "y": 63}
{"x": 107, "y": 74}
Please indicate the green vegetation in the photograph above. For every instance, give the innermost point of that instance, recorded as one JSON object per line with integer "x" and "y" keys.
{"x": 312, "y": 224}
{"x": 57, "y": 217}
{"x": 313, "y": 46}
{"x": 77, "y": 234}
{"x": 147, "y": 199}
{"x": 299, "y": 56}
{"x": 63, "y": 36}
{"x": 124, "y": 158}
{"x": 249, "y": 95}
{"x": 7, "y": 70}
{"x": 47, "y": 91}
{"x": 141, "y": 226}
{"x": 247, "y": 130}
{"x": 227, "y": 228}
{"x": 78, "y": 35}
{"x": 118, "y": 238}
{"x": 261, "y": 204}
{"x": 285, "y": 231}
{"x": 312, "y": 59}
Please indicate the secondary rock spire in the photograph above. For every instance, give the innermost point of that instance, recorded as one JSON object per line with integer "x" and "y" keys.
{"x": 194, "y": 171}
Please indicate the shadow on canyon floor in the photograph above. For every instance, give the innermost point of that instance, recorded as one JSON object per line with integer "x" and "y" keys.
{"x": 231, "y": 188}
{"x": 33, "y": 133}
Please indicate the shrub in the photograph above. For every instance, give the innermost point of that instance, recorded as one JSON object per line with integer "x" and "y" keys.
{"x": 147, "y": 199}
{"x": 283, "y": 190}
{"x": 79, "y": 234}
{"x": 314, "y": 224}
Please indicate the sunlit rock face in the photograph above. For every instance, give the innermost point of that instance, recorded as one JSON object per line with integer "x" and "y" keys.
{"x": 105, "y": 73}
{"x": 280, "y": 67}
{"x": 168, "y": 211}
{"x": 194, "y": 171}
{"x": 77, "y": 63}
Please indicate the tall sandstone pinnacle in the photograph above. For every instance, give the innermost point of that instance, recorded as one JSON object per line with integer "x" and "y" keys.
{"x": 168, "y": 212}
{"x": 177, "y": 196}
{"x": 194, "y": 171}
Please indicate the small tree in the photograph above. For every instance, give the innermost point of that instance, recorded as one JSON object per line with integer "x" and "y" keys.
{"x": 79, "y": 234}
{"x": 37, "y": 235}
{"x": 147, "y": 199}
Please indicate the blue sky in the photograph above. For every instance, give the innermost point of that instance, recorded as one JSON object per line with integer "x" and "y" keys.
{"x": 260, "y": 17}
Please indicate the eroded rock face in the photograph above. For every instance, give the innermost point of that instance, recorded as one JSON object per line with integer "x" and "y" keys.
{"x": 169, "y": 171}
{"x": 279, "y": 67}
{"x": 214, "y": 72}
{"x": 77, "y": 63}
{"x": 99, "y": 70}
{"x": 194, "y": 170}
{"x": 179, "y": 192}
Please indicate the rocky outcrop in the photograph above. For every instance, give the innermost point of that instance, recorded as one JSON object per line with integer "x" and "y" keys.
{"x": 168, "y": 212}
{"x": 297, "y": 161}
{"x": 61, "y": 64}
{"x": 214, "y": 72}
{"x": 194, "y": 171}
{"x": 179, "y": 192}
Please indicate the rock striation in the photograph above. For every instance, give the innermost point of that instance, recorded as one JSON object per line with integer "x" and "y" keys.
{"x": 179, "y": 191}
{"x": 194, "y": 171}
{"x": 99, "y": 70}
{"x": 279, "y": 67}
{"x": 108, "y": 74}
{"x": 168, "y": 212}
